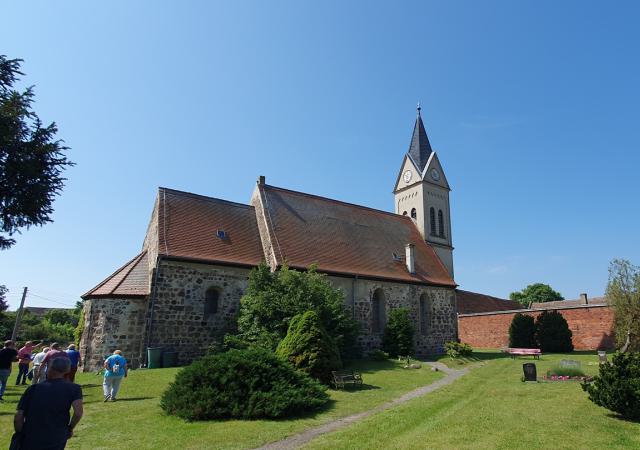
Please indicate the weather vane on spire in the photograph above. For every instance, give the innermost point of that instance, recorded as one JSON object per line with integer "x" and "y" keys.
{"x": 419, "y": 108}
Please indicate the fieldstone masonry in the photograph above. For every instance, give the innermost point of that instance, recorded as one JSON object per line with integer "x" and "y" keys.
{"x": 110, "y": 324}
{"x": 178, "y": 317}
{"x": 177, "y": 320}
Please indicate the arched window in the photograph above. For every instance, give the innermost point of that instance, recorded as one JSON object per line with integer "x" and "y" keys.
{"x": 377, "y": 311}
{"x": 440, "y": 223}
{"x": 404, "y": 213}
{"x": 432, "y": 217}
{"x": 414, "y": 214}
{"x": 423, "y": 314}
{"x": 211, "y": 302}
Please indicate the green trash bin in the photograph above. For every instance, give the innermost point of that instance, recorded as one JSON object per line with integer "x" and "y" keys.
{"x": 169, "y": 359}
{"x": 154, "y": 357}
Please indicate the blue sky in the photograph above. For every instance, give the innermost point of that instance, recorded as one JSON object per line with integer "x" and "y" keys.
{"x": 531, "y": 106}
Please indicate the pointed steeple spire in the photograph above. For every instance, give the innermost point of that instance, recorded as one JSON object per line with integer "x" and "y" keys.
{"x": 420, "y": 148}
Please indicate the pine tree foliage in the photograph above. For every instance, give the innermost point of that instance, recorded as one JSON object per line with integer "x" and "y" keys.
{"x": 32, "y": 159}
{"x": 553, "y": 333}
{"x": 308, "y": 347}
{"x": 522, "y": 332}
{"x": 398, "y": 337}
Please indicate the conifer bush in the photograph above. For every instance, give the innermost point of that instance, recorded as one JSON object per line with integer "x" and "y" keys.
{"x": 617, "y": 387}
{"x": 522, "y": 332}
{"x": 241, "y": 384}
{"x": 308, "y": 347}
{"x": 552, "y": 332}
{"x": 397, "y": 339}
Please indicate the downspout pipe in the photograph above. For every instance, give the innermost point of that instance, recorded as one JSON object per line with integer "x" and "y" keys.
{"x": 353, "y": 296}
{"x": 154, "y": 294}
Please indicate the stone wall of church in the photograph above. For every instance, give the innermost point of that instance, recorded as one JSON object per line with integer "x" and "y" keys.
{"x": 438, "y": 326}
{"x": 110, "y": 324}
{"x": 178, "y": 321}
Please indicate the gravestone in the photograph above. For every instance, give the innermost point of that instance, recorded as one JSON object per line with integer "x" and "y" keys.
{"x": 530, "y": 372}
{"x": 570, "y": 363}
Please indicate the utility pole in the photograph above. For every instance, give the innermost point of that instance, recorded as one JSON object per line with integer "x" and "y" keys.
{"x": 19, "y": 316}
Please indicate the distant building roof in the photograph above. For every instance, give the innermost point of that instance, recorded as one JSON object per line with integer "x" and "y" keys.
{"x": 349, "y": 239}
{"x": 473, "y": 302}
{"x": 130, "y": 280}
{"x": 582, "y": 301}
{"x": 40, "y": 311}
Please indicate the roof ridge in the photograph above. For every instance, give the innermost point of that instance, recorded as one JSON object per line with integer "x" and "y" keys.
{"x": 337, "y": 201}
{"x": 203, "y": 197}
{"x": 485, "y": 295}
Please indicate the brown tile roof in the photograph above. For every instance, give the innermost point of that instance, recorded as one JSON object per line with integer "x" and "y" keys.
{"x": 570, "y": 303}
{"x": 348, "y": 239}
{"x": 188, "y": 226}
{"x": 472, "y": 303}
{"x": 132, "y": 279}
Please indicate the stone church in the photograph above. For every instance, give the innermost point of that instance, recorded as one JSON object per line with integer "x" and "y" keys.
{"x": 185, "y": 285}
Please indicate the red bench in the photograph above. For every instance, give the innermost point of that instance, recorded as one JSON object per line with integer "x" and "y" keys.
{"x": 535, "y": 352}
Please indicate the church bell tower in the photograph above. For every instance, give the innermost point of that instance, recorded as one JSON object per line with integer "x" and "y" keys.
{"x": 422, "y": 193}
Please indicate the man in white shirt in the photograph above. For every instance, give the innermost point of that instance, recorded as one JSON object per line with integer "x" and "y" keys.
{"x": 39, "y": 375}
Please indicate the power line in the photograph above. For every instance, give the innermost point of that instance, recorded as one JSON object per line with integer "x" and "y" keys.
{"x": 50, "y": 300}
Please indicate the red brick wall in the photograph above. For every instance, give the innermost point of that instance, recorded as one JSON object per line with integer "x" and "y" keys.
{"x": 592, "y": 328}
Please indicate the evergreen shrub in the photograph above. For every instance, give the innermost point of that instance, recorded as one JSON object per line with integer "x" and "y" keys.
{"x": 397, "y": 339}
{"x": 552, "y": 333}
{"x": 458, "y": 349}
{"x": 522, "y": 332}
{"x": 241, "y": 384}
{"x": 617, "y": 387}
{"x": 308, "y": 347}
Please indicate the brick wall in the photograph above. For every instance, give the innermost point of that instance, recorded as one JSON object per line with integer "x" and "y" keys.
{"x": 592, "y": 327}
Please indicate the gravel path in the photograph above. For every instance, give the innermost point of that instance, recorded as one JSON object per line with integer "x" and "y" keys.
{"x": 297, "y": 440}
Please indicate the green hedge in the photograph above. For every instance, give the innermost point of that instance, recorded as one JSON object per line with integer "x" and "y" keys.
{"x": 308, "y": 347}
{"x": 241, "y": 384}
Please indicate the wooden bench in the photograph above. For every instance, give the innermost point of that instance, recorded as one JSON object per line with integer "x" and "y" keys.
{"x": 535, "y": 352}
{"x": 341, "y": 379}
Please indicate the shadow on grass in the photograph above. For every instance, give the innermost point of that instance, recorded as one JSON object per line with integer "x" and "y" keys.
{"x": 369, "y": 366}
{"x": 622, "y": 418}
{"x": 133, "y": 399}
{"x": 356, "y": 389}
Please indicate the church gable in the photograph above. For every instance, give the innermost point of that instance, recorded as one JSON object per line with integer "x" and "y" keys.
{"x": 409, "y": 174}
{"x": 433, "y": 172}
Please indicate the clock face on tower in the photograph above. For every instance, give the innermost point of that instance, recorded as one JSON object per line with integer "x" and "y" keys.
{"x": 407, "y": 176}
{"x": 435, "y": 175}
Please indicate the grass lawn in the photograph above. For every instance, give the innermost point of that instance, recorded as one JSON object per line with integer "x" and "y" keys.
{"x": 136, "y": 420}
{"x": 491, "y": 408}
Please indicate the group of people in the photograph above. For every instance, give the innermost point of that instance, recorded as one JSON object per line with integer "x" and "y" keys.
{"x": 29, "y": 354}
{"x": 43, "y": 418}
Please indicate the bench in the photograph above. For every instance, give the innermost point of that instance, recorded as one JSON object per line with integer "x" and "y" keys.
{"x": 535, "y": 352}
{"x": 341, "y": 379}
